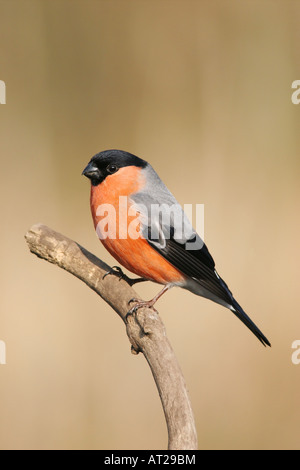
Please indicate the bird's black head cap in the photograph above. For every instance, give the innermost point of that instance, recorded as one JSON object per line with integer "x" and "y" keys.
{"x": 109, "y": 162}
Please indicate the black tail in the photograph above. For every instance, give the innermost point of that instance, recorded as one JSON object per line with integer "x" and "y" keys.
{"x": 239, "y": 312}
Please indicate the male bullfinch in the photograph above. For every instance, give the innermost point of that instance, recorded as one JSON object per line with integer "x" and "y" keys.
{"x": 148, "y": 232}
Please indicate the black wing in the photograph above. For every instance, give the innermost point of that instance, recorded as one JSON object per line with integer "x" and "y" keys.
{"x": 199, "y": 265}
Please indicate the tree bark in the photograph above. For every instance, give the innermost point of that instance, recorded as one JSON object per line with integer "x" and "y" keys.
{"x": 145, "y": 330}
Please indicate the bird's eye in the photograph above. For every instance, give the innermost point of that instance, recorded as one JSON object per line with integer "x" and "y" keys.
{"x": 112, "y": 169}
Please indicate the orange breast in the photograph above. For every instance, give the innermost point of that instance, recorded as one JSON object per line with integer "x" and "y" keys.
{"x": 110, "y": 203}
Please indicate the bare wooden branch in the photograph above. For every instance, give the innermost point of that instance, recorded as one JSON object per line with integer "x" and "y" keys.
{"x": 145, "y": 331}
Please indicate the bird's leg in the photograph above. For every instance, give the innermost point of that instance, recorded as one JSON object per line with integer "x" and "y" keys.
{"x": 117, "y": 271}
{"x": 143, "y": 303}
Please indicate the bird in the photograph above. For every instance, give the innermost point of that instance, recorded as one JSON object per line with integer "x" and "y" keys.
{"x": 141, "y": 224}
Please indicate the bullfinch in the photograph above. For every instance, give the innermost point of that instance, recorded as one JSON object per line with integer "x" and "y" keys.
{"x": 145, "y": 229}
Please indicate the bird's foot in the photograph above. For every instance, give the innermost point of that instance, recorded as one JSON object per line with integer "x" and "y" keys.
{"x": 117, "y": 271}
{"x": 144, "y": 303}
{"x": 140, "y": 304}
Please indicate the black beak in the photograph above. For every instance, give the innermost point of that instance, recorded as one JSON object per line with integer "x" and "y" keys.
{"x": 91, "y": 172}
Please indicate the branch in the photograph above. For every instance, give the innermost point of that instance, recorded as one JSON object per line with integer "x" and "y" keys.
{"x": 145, "y": 331}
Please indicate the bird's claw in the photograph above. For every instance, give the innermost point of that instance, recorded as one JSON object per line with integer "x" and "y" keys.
{"x": 133, "y": 309}
{"x": 139, "y": 304}
{"x": 116, "y": 271}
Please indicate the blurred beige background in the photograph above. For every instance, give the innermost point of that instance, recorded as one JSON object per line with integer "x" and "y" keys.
{"x": 202, "y": 90}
